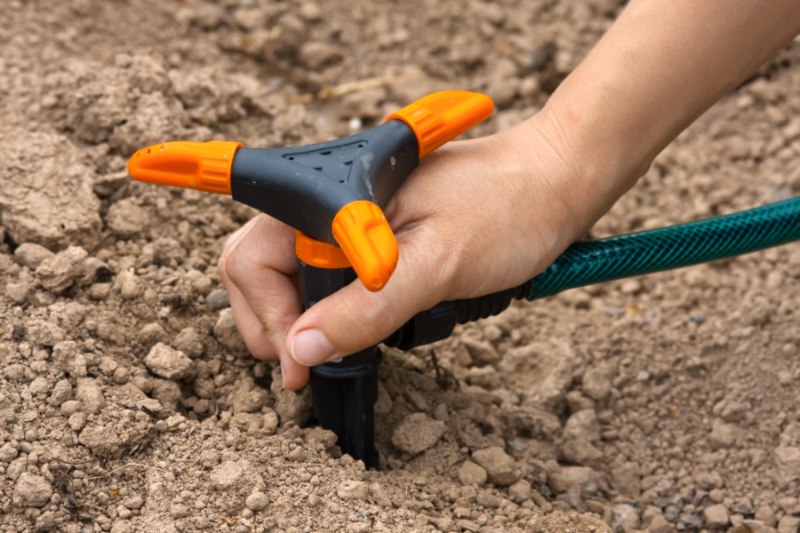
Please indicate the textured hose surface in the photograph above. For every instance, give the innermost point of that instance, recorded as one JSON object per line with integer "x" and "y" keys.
{"x": 585, "y": 263}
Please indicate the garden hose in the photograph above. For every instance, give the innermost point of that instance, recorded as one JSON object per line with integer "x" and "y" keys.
{"x": 634, "y": 254}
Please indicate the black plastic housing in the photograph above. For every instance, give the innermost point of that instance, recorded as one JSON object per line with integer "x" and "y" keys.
{"x": 306, "y": 186}
{"x": 438, "y": 322}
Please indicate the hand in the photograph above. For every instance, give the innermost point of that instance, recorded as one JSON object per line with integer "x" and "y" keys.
{"x": 476, "y": 217}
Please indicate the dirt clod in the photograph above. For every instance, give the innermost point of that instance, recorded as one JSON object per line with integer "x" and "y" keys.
{"x": 500, "y": 467}
{"x": 32, "y": 490}
{"x": 417, "y": 433}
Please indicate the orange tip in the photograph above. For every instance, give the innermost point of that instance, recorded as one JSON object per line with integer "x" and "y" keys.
{"x": 442, "y": 116}
{"x": 205, "y": 166}
{"x": 364, "y": 235}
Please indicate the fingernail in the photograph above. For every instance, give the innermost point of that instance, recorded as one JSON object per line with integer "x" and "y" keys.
{"x": 311, "y": 347}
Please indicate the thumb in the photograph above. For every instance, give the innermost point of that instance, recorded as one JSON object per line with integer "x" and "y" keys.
{"x": 354, "y": 318}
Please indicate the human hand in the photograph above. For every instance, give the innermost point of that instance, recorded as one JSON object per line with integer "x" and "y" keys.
{"x": 476, "y": 217}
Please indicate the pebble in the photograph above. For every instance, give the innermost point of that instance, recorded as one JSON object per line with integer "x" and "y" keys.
{"x": 257, "y": 501}
{"x": 90, "y": 395}
{"x": 722, "y": 435}
{"x": 416, "y": 433}
{"x": 169, "y": 363}
{"x": 217, "y": 299}
{"x": 57, "y": 273}
{"x": 31, "y": 255}
{"x": 766, "y": 515}
{"x": 500, "y": 467}
{"x": 100, "y": 439}
{"x": 228, "y": 336}
{"x": 716, "y": 516}
{"x": 31, "y": 490}
{"x": 234, "y": 475}
{"x": 520, "y": 491}
{"x": 471, "y": 474}
{"x": 659, "y": 524}
{"x": 290, "y": 405}
{"x": 125, "y": 218}
{"x": 596, "y": 384}
{"x": 353, "y": 490}
{"x": 482, "y": 352}
{"x": 8, "y": 453}
{"x": 625, "y": 517}
{"x": 190, "y": 342}
{"x": 566, "y": 478}
{"x": 789, "y": 524}
{"x": 582, "y": 426}
{"x": 61, "y": 392}
{"x": 787, "y": 461}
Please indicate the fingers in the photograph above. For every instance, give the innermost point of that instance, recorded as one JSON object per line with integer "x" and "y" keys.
{"x": 354, "y": 318}
{"x": 256, "y": 267}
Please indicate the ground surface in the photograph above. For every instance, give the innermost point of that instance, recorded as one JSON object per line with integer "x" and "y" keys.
{"x": 127, "y": 401}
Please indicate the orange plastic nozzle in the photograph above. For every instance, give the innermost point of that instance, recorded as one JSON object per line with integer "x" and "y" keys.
{"x": 318, "y": 254}
{"x": 364, "y": 235}
{"x": 205, "y": 166}
{"x": 442, "y": 116}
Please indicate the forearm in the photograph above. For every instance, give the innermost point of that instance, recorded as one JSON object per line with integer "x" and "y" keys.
{"x": 658, "y": 68}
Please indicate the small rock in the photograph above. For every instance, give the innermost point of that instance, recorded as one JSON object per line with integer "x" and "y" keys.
{"x": 353, "y": 490}
{"x": 257, "y": 501}
{"x": 133, "y": 502}
{"x": 416, "y": 433}
{"x": 228, "y": 336}
{"x": 722, "y": 435}
{"x": 716, "y": 516}
{"x": 582, "y": 426}
{"x": 482, "y": 353}
{"x": 290, "y": 405}
{"x": 596, "y": 385}
{"x": 31, "y": 254}
{"x": 520, "y": 491}
{"x": 234, "y": 475}
{"x": 566, "y": 478}
{"x": 766, "y": 515}
{"x": 789, "y": 524}
{"x": 217, "y": 299}
{"x": 626, "y": 517}
{"x": 90, "y": 396}
{"x": 179, "y": 510}
{"x": 659, "y": 524}
{"x": 190, "y": 342}
{"x": 169, "y": 363}
{"x": 62, "y": 391}
{"x": 58, "y": 273}
{"x": 787, "y": 461}
{"x": 32, "y": 491}
{"x": 101, "y": 440}
{"x": 318, "y": 54}
{"x": 501, "y": 468}
{"x": 8, "y": 453}
{"x": 471, "y": 474}
{"x": 126, "y": 218}
{"x": 323, "y": 436}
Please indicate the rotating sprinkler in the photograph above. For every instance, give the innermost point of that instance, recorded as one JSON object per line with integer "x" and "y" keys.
{"x": 333, "y": 193}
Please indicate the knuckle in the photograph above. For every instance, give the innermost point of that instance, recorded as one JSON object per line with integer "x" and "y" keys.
{"x": 233, "y": 267}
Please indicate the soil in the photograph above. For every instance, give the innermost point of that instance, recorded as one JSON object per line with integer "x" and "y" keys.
{"x": 129, "y": 403}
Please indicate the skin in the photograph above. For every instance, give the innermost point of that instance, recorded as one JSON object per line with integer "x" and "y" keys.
{"x": 659, "y": 67}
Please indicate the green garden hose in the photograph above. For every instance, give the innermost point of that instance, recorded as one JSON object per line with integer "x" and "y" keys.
{"x": 586, "y": 263}
{"x": 634, "y": 254}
